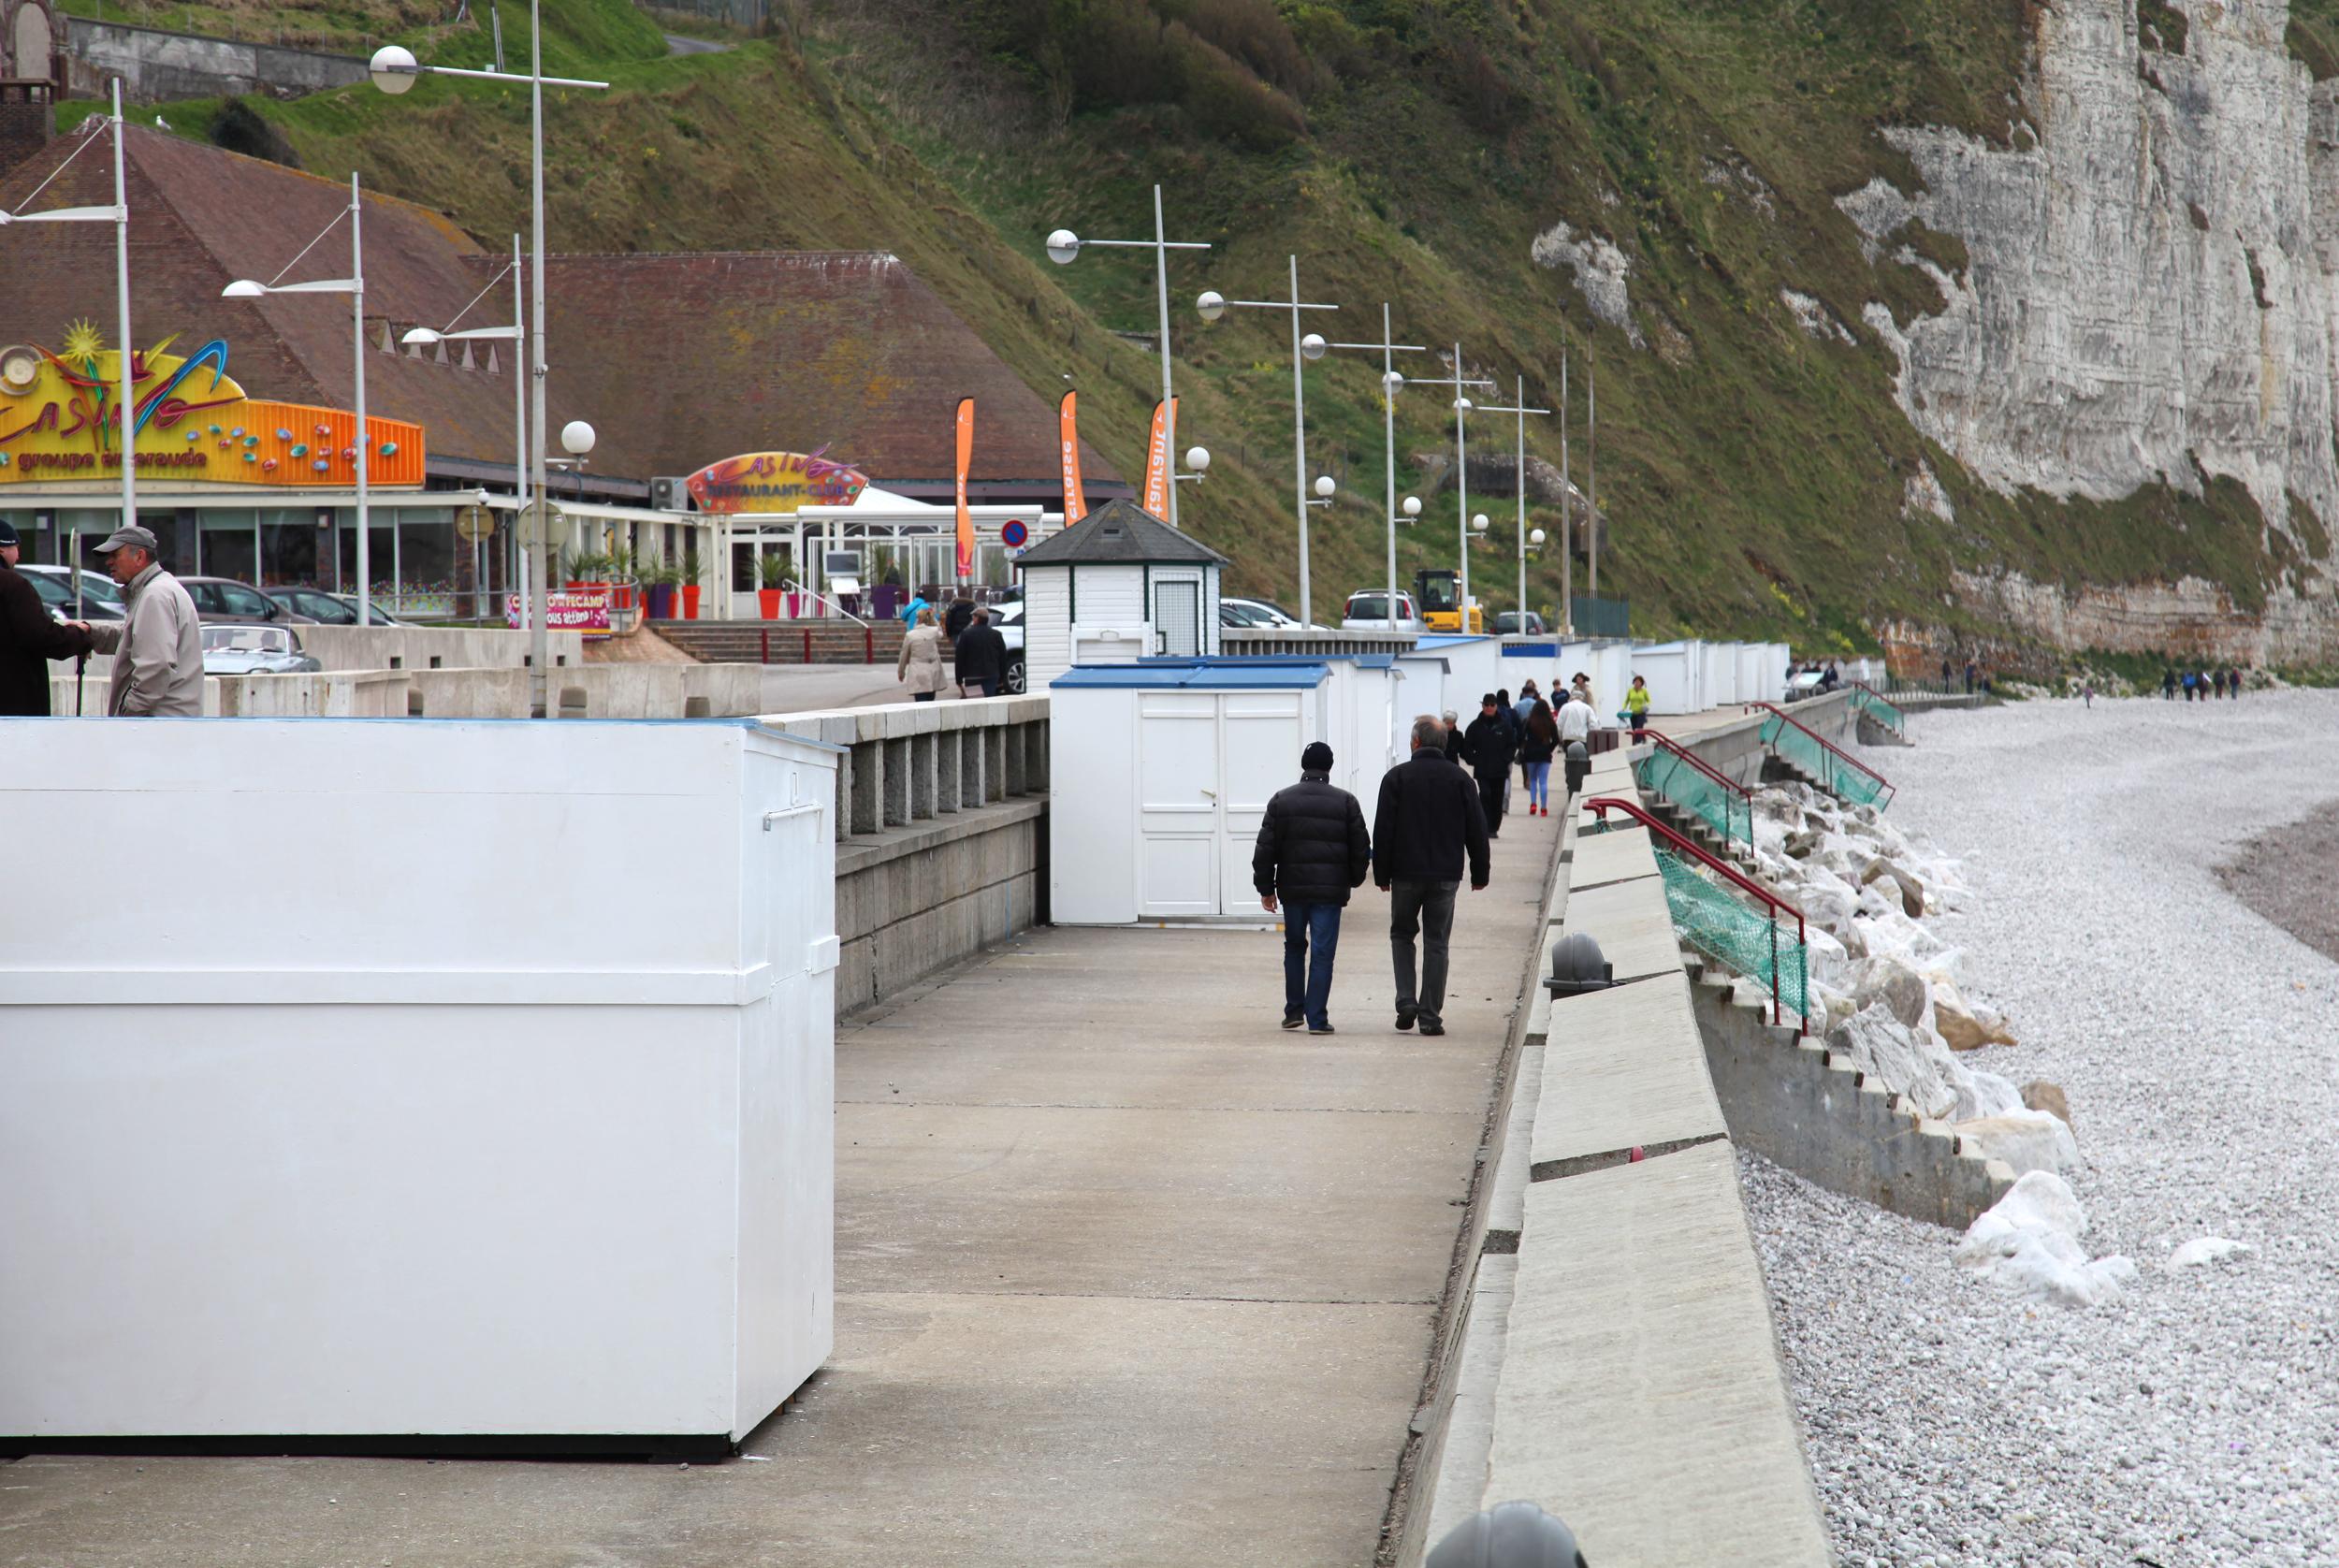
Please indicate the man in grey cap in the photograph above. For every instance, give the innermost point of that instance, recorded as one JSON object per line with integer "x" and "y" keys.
{"x": 158, "y": 643}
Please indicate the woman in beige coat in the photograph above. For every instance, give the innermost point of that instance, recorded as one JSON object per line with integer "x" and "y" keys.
{"x": 920, "y": 666}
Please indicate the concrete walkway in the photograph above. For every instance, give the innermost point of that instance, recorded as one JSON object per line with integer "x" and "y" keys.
{"x": 1126, "y": 1276}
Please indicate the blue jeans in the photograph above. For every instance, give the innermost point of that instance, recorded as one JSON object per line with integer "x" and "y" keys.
{"x": 1308, "y": 988}
{"x": 1538, "y": 783}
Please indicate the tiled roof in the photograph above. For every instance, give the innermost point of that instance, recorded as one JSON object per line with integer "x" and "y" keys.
{"x": 677, "y": 360}
{"x": 1120, "y": 530}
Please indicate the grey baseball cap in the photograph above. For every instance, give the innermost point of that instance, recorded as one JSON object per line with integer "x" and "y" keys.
{"x": 134, "y": 534}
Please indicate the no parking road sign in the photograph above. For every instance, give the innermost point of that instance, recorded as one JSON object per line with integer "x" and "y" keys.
{"x": 1012, "y": 533}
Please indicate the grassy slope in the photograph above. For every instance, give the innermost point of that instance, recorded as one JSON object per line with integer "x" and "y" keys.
{"x": 1752, "y": 477}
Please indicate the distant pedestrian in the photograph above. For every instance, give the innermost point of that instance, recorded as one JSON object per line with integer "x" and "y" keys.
{"x": 2089, "y": 692}
{"x": 2191, "y": 681}
{"x": 1581, "y": 686}
{"x": 2168, "y": 685}
{"x": 1527, "y": 698}
{"x": 1636, "y": 707}
{"x": 956, "y": 620}
{"x": 1947, "y": 675}
{"x": 1312, "y": 849}
{"x": 980, "y": 657}
{"x": 909, "y": 611}
{"x": 157, "y": 644}
{"x": 1511, "y": 717}
{"x": 1427, "y": 819}
{"x": 919, "y": 666}
{"x": 1829, "y": 679}
{"x": 2235, "y": 681}
{"x": 29, "y": 639}
{"x": 1538, "y": 740}
{"x": 1488, "y": 746}
{"x": 1453, "y": 745}
{"x": 1970, "y": 672}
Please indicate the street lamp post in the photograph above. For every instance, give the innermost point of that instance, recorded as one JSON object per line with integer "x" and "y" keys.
{"x": 1462, "y": 472}
{"x": 117, "y": 215}
{"x": 1522, "y": 410}
{"x": 394, "y": 70}
{"x": 1064, "y": 247}
{"x": 1390, "y": 382}
{"x": 1312, "y": 346}
{"x": 354, "y": 287}
{"x": 515, "y": 334}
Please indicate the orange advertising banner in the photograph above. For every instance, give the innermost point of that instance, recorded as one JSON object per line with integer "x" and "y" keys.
{"x": 1069, "y": 438}
{"x": 1157, "y": 479}
{"x": 966, "y": 519}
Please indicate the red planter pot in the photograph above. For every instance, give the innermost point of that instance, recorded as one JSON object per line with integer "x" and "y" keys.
{"x": 768, "y": 599}
{"x": 691, "y": 600}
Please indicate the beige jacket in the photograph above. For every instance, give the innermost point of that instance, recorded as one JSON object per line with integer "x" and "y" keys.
{"x": 157, "y": 648}
{"x": 920, "y": 666}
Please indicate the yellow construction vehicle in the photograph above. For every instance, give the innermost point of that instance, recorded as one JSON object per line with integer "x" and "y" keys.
{"x": 1438, "y": 595}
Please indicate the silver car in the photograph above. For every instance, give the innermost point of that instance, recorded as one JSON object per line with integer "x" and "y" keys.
{"x": 254, "y": 650}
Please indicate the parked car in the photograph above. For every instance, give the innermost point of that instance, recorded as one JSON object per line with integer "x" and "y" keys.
{"x": 1009, "y": 619}
{"x": 1257, "y": 612}
{"x": 101, "y": 596}
{"x": 232, "y": 602}
{"x": 1508, "y": 625}
{"x": 327, "y": 609}
{"x": 54, "y": 590}
{"x": 1368, "y": 611}
{"x": 254, "y": 651}
{"x": 1239, "y": 615}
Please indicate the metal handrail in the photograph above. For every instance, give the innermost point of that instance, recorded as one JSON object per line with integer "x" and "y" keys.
{"x": 1774, "y": 906}
{"x": 792, "y": 586}
{"x": 1864, "y": 686}
{"x": 1826, "y": 744}
{"x": 1697, "y": 761}
{"x": 1744, "y": 798}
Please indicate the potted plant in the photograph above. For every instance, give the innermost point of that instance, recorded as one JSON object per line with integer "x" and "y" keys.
{"x": 620, "y": 573}
{"x": 585, "y": 568}
{"x": 689, "y": 582}
{"x": 768, "y": 576}
{"x": 658, "y": 585}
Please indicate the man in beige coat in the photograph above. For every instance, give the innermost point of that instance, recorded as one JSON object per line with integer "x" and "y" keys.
{"x": 920, "y": 666}
{"x": 158, "y": 643}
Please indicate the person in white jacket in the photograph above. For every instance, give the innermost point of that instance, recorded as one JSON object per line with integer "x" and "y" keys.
{"x": 158, "y": 643}
{"x": 1575, "y": 718}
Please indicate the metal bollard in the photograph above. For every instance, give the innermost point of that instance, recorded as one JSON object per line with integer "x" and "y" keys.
{"x": 1578, "y": 967}
{"x": 1578, "y": 766}
{"x": 1508, "y": 1535}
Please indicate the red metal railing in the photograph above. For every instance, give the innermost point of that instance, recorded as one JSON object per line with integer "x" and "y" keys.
{"x": 1773, "y": 905}
{"x": 1887, "y": 702}
{"x": 1826, "y": 744}
{"x": 1699, "y": 764}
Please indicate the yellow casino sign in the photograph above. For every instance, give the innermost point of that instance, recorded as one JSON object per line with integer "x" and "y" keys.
{"x": 61, "y": 421}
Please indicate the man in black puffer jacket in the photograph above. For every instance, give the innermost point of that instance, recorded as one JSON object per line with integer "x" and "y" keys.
{"x": 1312, "y": 849}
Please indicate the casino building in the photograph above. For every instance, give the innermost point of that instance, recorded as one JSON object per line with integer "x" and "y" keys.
{"x": 727, "y": 391}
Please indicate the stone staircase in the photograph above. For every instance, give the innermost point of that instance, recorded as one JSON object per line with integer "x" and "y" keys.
{"x": 784, "y": 642}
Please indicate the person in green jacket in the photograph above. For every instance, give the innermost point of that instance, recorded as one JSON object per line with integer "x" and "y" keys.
{"x": 1636, "y": 704}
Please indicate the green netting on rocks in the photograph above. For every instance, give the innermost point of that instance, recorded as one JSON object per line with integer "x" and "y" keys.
{"x": 1865, "y": 700}
{"x": 1720, "y": 922}
{"x": 1717, "y": 805}
{"x": 1836, "y": 775}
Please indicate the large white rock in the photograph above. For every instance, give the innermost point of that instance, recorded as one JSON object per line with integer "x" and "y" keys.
{"x": 2026, "y": 1139}
{"x": 2028, "y": 1241}
{"x": 1908, "y": 1062}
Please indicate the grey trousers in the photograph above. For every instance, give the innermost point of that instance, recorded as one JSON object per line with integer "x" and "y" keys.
{"x": 1427, "y": 907}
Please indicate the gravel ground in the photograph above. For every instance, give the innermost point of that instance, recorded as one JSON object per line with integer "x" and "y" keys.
{"x": 2195, "y": 1421}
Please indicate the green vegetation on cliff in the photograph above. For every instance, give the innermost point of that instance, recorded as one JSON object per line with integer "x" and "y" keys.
{"x": 1753, "y": 472}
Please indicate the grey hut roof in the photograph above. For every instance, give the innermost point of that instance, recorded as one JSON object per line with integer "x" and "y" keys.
{"x": 1122, "y": 533}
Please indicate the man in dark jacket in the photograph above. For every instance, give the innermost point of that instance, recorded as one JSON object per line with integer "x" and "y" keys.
{"x": 981, "y": 658}
{"x": 1428, "y": 817}
{"x": 29, "y": 639}
{"x": 1489, "y": 746}
{"x": 1312, "y": 849}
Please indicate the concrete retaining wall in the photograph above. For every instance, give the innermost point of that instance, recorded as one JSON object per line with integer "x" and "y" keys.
{"x": 157, "y": 67}
{"x": 430, "y": 647}
{"x": 1791, "y": 1102}
{"x": 944, "y": 830}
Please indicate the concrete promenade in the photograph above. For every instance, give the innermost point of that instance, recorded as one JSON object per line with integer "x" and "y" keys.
{"x": 1126, "y": 1276}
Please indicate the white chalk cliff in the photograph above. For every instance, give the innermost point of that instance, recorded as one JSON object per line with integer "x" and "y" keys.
{"x": 2153, "y": 281}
